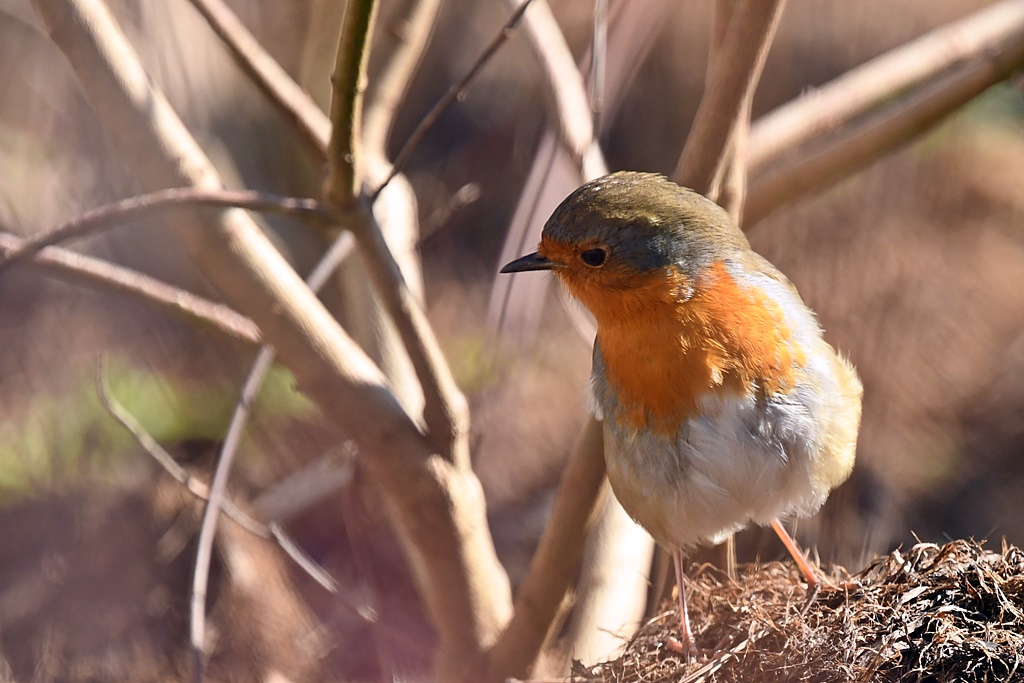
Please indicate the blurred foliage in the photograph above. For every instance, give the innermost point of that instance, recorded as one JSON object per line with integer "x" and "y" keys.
{"x": 57, "y": 437}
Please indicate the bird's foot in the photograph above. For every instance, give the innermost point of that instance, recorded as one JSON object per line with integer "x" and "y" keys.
{"x": 686, "y": 648}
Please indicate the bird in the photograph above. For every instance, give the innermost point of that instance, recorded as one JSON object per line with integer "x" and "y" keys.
{"x": 721, "y": 403}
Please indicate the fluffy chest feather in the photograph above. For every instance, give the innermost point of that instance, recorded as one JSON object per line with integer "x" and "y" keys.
{"x": 668, "y": 347}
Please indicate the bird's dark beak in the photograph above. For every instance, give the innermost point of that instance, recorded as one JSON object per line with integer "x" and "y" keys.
{"x": 532, "y": 261}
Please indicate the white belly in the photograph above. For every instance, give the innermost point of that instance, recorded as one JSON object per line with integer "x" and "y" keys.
{"x": 751, "y": 462}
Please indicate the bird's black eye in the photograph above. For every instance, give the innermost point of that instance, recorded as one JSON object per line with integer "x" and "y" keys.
{"x": 594, "y": 257}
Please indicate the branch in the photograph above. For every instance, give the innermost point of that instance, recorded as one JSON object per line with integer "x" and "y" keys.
{"x": 236, "y": 427}
{"x": 445, "y": 411}
{"x": 414, "y": 23}
{"x": 343, "y": 183}
{"x": 982, "y": 35}
{"x": 306, "y": 487}
{"x": 731, "y": 192}
{"x": 437, "y": 509}
{"x": 955, "y": 64}
{"x": 567, "y": 97}
{"x": 103, "y": 276}
{"x": 283, "y": 92}
{"x": 541, "y": 593}
{"x": 140, "y": 206}
{"x": 454, "y": 92}
{"x": 200, "y": 490}
{"x": 743, "y": 52}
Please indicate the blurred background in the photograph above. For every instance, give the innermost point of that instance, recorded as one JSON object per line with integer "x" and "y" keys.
{"x": 915, "y": 267}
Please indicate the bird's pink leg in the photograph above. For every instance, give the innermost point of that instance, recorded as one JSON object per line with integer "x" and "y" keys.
{"x": 805, "y": 567}
{"x": 686, "y": 645}
{"x": 813, "y": 583}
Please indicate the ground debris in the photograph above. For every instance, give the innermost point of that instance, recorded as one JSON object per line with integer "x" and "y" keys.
{"x": 930, "y": 613}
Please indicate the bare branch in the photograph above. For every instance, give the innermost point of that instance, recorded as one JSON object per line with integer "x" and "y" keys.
{"x": 343, "y": 183}
{"x": 99, "y": 274}
{"x": 141, "y": 206}
{"x": 417, "y": 21}
{"x": 198, "y": 488}
{"x": 564, "y": 89}
{"x": 731, "y": 192}
{"x": 541, "y": 593}
{"x": 979, "y": 36}
{"x": 217, "y": 499}
{"x": 306, "y": 487}
{"x": 437, "y": 508}
{"x": 453, "y": 93}
{"x": 598, "y": 63}
{"x": 284, "y": 93}
{"x": 445, "y": 411}
{"x": 250, "y": 390}
{"x": 956, "y": 63}
{"x": 743, "y": 52}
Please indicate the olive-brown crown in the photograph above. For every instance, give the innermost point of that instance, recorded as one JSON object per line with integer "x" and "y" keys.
{"x": 639, "y": 222}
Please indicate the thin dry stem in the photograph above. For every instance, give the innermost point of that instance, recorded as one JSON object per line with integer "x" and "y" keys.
{"x": 343, "y": 183}
{"x": 731, "y": 191}
{"x": 550, "y": 575}
{"x": 199, "y": 489}
{"x": 416, "y": 18}
{"x": 283, "y": 92}
{"x": 445, "y": 410}
{"x": 453, "y": 93}
{"x": 567, "y": 98}
{"x": 598, "y": 64}
{"x": 153, "y": 203}
{"x": 104, "y": 276}
{"x": 743, "y": 52}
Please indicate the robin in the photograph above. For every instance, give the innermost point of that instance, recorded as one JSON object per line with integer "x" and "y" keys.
{"x": 721, "y": 402}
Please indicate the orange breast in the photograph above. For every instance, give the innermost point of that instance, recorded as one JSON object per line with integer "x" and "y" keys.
{"x": 662, "y": 353}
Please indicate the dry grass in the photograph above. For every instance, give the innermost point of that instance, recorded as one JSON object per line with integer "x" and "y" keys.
{"x": 949, "y": 613}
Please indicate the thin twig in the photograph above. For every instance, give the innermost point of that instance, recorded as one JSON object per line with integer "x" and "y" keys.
{"x": 144, "y": 205}
{"x": 103, "y": 275}
{"x": 598, "y": 63}
{"x": 445, "y": 411}
{"x": 343, "y": 183}
{"x": 284, "y": 93}
{"x": 743, "y": 52}
{"x": 413, "y": 23}
{"x": 218, "y": 487}
{"x": 730, "y": 191}
{"x": 310, "y": 484}
{"x": 250, "y": 390}
{"x": 194, "y": 485}
{"x": 199, "y": 489}
{"x": 549, "y": 576}
{"x": 454, "y": 93}
{"x": 568, "y": 103}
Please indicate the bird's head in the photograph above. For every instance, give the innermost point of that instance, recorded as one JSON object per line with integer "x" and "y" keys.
{"x": 628, "y": 240}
